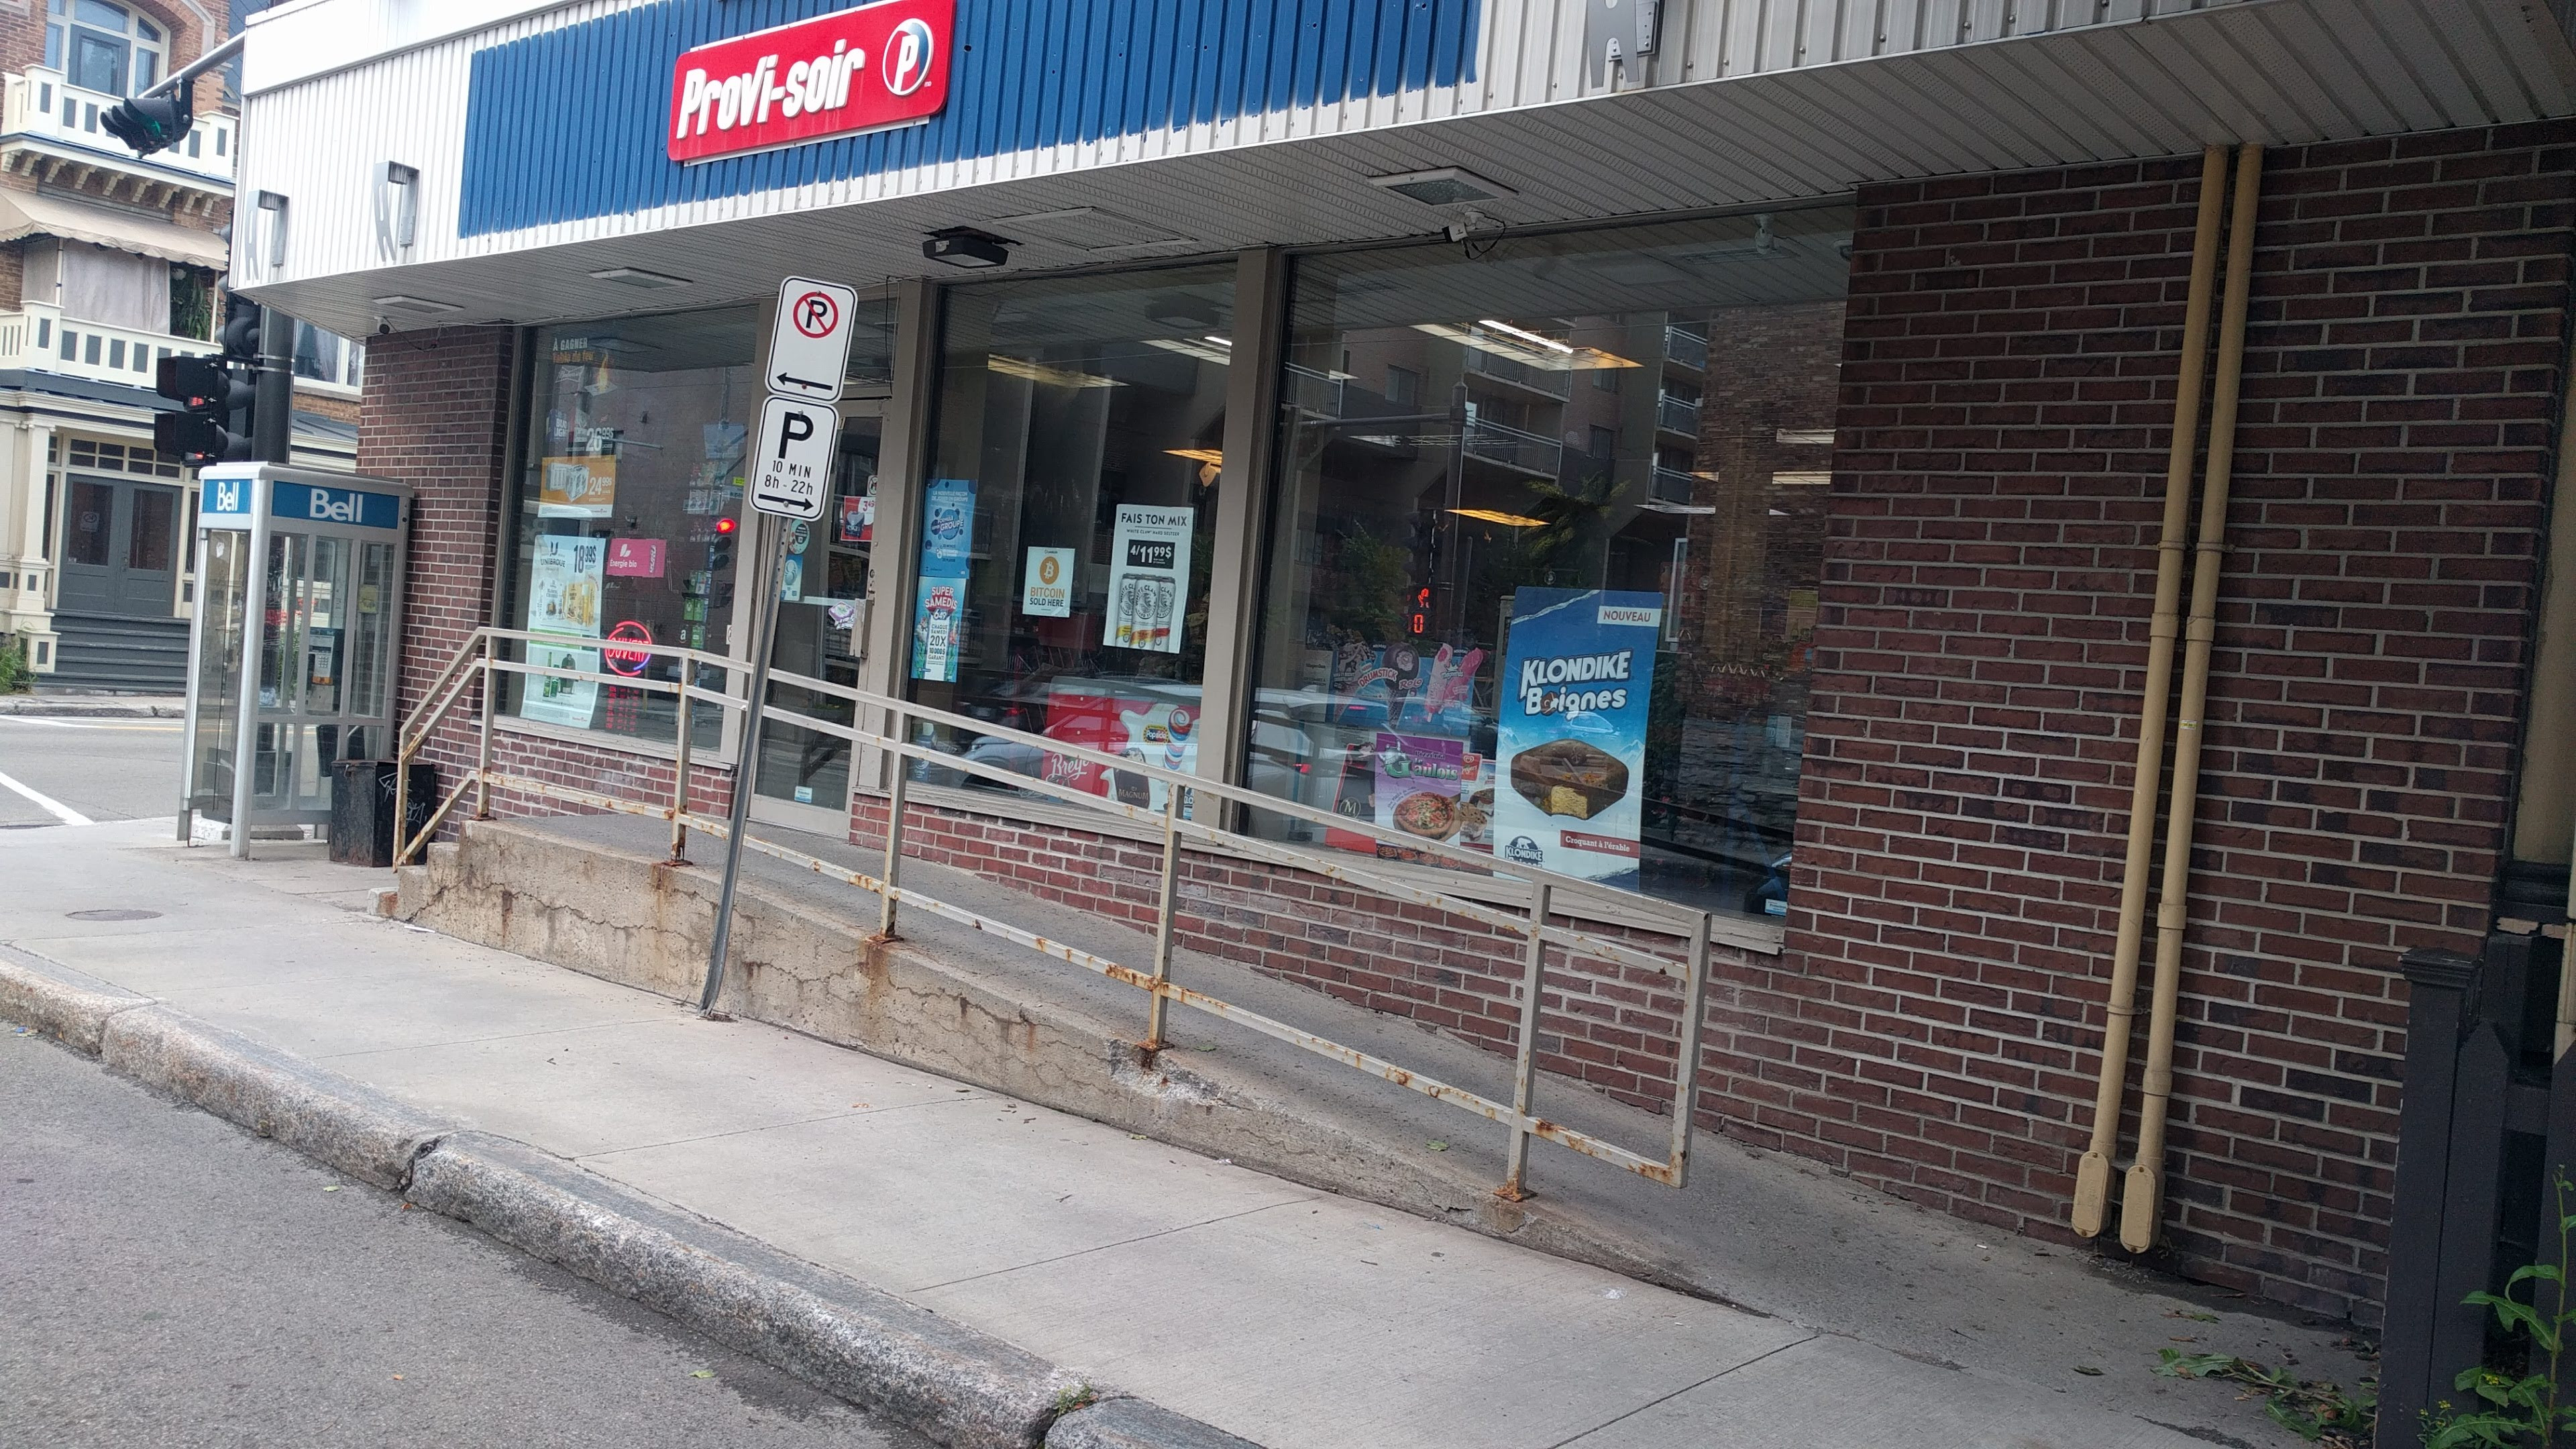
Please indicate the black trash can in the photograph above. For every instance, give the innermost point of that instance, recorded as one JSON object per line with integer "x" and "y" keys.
{"x": 362, "y": 809}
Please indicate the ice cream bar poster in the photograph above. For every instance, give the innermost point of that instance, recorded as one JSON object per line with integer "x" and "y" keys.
{"x": 1578, "y": 676}
{"x": 1149, "y": 579}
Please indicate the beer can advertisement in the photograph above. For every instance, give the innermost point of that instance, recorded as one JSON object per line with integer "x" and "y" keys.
{"x": 1149, "y": 579}
{"x": 1578, "y": 676}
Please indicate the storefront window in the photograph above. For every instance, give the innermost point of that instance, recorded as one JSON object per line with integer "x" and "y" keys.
{"x": 1543, "y": 566}
{"x": 1067, "y": 522}
{"x": 628, "y": 511}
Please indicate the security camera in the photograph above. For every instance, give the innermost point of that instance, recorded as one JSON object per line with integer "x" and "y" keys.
{"x": 1468, "y": 222}
{"x": 384, "y": 328}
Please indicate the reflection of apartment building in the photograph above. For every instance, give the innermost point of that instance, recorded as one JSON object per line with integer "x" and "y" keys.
{"x": 110, "y": 262}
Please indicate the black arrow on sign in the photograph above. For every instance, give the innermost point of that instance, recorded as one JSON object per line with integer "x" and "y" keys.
{"x": 806, "y": 382}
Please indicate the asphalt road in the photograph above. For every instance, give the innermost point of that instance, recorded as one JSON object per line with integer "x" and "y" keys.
{"x": 96, "y": 769}
{"x": 172, "y": 1280}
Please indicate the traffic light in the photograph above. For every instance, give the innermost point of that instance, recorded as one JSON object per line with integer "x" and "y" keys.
{"x": 215, "y": 399}
{"x": 216, "y": 395}
{"x": 152, "y": 123}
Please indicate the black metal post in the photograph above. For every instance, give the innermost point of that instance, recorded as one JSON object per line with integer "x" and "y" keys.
{"x": 2438, "y": 987}
{"x": 272, "y": 428}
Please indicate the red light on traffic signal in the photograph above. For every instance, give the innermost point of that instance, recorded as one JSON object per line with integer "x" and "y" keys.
{"x": 726, "y": 525}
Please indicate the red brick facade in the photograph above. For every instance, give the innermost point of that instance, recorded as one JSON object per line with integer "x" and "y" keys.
{"x": 2008, "y": 386}
{"x": 2008, "y": 355}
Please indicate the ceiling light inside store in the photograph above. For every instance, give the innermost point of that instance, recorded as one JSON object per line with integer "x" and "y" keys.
{"x": 1191, "y": 347}
{"x": 1807, "y": 437}
{"x": 1199, "y": 455}
{"x": 1802, "y": 479}
{"x": 1657, "y": 506}
{"x": 1489, "y": 515}
{"x": 1443, "y": 186}
{"x": 1510, "y": 345}
{"x": 638, "y": 277}
{"x": 1039, "y": 372}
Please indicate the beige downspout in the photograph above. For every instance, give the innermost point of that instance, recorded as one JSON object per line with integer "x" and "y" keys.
{"x": 2142, "y": 1209}
{"x": 2093, "y": 1173}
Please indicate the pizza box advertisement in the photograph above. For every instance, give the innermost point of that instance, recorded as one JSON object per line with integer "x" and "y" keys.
{"x": 1578, "y": 675}
{"x": 1432, "y": 788}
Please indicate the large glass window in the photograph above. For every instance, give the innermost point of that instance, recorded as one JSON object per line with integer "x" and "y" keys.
{"x": 1543, "y": 565}
{"x": 1067, "y": 522}
{"x": 628, "y": 512}
{"x": 102, "y": 46}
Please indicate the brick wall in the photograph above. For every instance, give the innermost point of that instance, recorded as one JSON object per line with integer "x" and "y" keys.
{"x": 2008, "y": 386}
{"x": 435, "y": 415}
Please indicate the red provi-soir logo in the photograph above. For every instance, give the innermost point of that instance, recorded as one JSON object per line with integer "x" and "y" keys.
{"x": 856, "y": 70}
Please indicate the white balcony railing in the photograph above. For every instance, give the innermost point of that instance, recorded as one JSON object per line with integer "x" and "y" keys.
{"x": 1515, "y": 448}
{"x": 41, "y": 339}
{"x": 1677, "y": 415}
{"x": 41, "y": 105}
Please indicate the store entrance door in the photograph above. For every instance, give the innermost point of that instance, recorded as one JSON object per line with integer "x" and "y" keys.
{"x": 803, "y": 779}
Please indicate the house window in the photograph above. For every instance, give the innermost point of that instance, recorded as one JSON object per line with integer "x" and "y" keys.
{"x": 101, "y": 46}
{"x": 326, "y": 356}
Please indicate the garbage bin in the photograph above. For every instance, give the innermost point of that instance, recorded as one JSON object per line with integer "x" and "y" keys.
{"x": 362, "y": 809}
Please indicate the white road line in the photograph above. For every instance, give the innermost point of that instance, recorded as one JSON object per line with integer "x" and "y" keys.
{"x": 55, "y": 723}
{"x": 47, "y": 803}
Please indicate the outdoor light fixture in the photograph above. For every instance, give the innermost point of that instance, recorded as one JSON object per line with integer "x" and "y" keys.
{"x": 638, "y": 277}
{"x": 1443, "y": 186}
{"x": 963, "y": 246}
{"x": 425, "y": 306}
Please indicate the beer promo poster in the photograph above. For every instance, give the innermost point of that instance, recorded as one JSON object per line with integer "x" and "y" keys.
{"x": 1149, "y": 579}
{"x": 1578, "y": 674}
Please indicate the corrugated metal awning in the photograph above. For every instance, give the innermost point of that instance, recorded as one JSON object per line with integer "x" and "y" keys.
{"x": 28, "y": 213}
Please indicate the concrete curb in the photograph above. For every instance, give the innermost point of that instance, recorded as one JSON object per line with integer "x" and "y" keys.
{"x": 93, "y": 707}
{"x": 1135, "y": 1424}
{"x": 908, "y": 1364}
{"x": 43, "y": 995}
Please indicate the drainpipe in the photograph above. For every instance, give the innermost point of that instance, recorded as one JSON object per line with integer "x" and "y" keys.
{"x": 2093, "y": 1173}
{"x": 2142, "y": 1208}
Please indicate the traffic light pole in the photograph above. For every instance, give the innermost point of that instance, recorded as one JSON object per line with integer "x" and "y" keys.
{"x": 272, "y": 418}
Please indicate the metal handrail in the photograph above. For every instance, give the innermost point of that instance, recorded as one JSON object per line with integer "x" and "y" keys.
{"x": 481, "y": 654}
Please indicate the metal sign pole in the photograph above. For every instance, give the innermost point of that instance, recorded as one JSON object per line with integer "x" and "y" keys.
{"x": 747, "y": 754}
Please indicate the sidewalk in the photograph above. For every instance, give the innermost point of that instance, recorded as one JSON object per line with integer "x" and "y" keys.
{"x": 96, "y": 706}
{"x": 1285, "y": 1315}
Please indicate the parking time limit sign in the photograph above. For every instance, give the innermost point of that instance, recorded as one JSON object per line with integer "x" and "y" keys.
{"x": 791, "y": 474}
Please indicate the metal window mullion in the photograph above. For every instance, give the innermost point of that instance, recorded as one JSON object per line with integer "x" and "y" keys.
{"x": 903, "y": 461}
{"x": 1242, "y": 506}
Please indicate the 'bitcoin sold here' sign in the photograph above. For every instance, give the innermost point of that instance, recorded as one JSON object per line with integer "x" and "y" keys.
{"x": 855, "y": 70}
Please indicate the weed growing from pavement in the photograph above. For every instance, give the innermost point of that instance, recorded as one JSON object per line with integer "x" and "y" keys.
{"x": 2512, "y": 1412}
{"x": 2314, "y": 1409}
{"x": 1069, "y": 1399}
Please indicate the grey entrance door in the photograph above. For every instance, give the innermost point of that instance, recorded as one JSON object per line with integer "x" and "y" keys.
{"x": 120, "y": 547}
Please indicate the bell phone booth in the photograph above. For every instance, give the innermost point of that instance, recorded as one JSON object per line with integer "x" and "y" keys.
{"x": 291, "y": 654}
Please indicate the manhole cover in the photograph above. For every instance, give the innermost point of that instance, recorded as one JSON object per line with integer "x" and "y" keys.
{"x": 114, "y": 915}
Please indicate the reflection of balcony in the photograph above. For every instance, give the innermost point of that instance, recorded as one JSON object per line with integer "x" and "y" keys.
{"x": 1677, "y": 415}
{"x": 42, "y": 339}
{"x": 1503, "y": 370}
{"x": 1513, "y": 448}
{"x": 1687, "y": 350}
{"x": 1314, "y": 393}
{"x": 1672, "y": 485}
{"x": 48, "y": 124}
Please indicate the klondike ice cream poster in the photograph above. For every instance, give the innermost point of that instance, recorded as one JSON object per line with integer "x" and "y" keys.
{"x": 1578, "y": 672}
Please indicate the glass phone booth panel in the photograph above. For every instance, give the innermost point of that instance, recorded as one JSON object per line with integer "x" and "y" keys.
{"x": 300, "y": 597}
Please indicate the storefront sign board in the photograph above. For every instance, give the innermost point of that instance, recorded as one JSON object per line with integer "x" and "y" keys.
{"x": 635, "y": 558}
{"x": 1149, "y": 579}
{"x": 1578, "y": 675}
{"x": 809, "y": 341}
{"x": 863, "y": 69}
{"x": 1046, "y": 590}
{"x": 792, "y": 466}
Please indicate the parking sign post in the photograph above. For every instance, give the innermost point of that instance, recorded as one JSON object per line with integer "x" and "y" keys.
{"x": 790, "y": 480}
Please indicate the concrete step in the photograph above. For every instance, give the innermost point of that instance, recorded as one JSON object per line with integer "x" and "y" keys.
{"x": 120, "y": 652}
